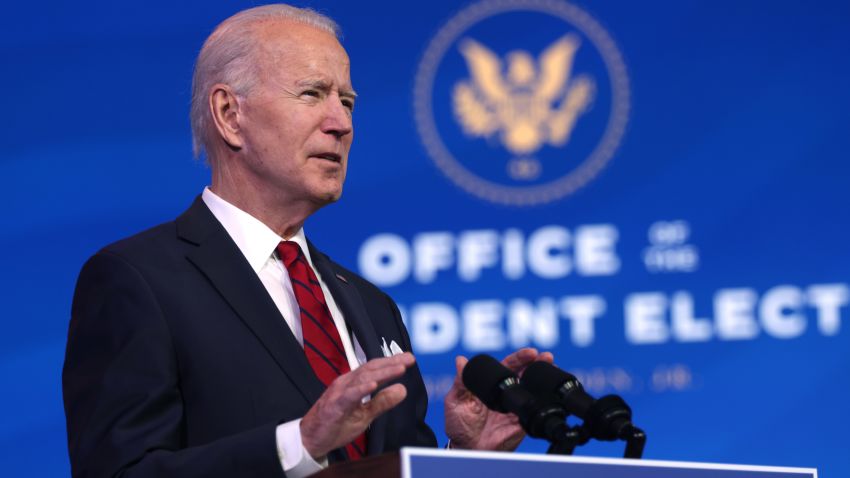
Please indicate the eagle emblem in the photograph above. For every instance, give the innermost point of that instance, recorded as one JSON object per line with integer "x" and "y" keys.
{"x": 526, "y": 104}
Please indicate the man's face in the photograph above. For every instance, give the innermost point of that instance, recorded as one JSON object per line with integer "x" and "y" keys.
{"x": 297, "y": 121}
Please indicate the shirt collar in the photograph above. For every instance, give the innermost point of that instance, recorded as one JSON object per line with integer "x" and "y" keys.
{"x": 255, "y": 240}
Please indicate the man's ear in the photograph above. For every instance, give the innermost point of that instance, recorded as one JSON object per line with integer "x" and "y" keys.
{"x": 224, "y": 106}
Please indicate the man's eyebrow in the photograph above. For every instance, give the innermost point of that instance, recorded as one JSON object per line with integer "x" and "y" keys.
{"x": 314, "y": 83}
{"x": 323, "y": 85}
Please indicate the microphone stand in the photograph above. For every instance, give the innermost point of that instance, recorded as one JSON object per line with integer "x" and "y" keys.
{"x": 635, "y": 440}
{"x": 570, "y": 438}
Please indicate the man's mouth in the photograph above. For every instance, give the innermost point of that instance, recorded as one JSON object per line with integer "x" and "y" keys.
{"x": 329, "y": 156}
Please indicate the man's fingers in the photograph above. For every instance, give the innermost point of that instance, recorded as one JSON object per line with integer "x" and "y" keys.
{"x": 520, "y": 358}
{"x": 339, "y": 414}
{"x": 405, "y": 359}
{"x": 458, "y": 386}
{"x": 371, "y": 375}
{"x": 385, "y": 365}
{"x": 546, "y": 357}
{"x": 368, "y": 383}
{"x": 460, "y": 363}
{"x": 385, "y": 400}
{"x": 381, "y": 370}
{"x": 353, "y": 394}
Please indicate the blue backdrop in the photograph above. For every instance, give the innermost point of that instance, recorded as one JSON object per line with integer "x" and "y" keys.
{"x": 670, "y": 219}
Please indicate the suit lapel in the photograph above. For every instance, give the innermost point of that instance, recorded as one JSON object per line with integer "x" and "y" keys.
{"x": 348, "y": 299}
{"x": 221, "y": 261}
{"x": 349, "y": 302}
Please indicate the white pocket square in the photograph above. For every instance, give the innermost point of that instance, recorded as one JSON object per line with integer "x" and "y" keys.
{"x": 393, "y": 348}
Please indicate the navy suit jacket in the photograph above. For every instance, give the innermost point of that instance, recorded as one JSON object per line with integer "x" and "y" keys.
{"x": 179, "y": 363}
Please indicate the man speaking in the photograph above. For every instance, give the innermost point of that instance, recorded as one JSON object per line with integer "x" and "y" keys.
{"x": 224, "y": 343}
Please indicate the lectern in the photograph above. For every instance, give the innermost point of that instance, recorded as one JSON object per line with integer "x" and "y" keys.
{"x": 434, "y": 463}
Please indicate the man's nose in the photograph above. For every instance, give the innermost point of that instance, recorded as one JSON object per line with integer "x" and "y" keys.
{"x": 337, "y": 119}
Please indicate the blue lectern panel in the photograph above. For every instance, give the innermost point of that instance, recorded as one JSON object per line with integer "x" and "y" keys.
{"x": 418, "y": 463}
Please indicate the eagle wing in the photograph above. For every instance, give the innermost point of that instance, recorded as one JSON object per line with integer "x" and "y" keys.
{"x": 577, "y": 101}
{"x": 475, "y": 116}
{"x": 477, "y": 101}
{"x": 556, "y": 63}
{"x": 486, "y": 70}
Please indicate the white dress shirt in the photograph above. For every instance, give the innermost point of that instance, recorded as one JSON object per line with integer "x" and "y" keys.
{"x": 258, "y": 244}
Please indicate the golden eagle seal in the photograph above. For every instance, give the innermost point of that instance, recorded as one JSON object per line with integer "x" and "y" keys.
{"x": 529, "y": 104}
{"x": 515, "y": 121}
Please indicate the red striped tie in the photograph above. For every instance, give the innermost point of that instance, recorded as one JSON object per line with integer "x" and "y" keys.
{"x": 322, "y": 344}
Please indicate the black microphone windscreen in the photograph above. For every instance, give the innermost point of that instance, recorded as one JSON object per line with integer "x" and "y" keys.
{"x": 482, "y": 376}
{"x": 543, "y": 378}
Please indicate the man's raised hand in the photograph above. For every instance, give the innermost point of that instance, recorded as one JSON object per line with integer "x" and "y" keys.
{"x": 340, "y": 415}
{"x": 470, "y": 425}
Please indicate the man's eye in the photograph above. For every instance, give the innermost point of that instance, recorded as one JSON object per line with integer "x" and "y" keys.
{"x": 313, "y": 93}
{"x": 348, "y": 104}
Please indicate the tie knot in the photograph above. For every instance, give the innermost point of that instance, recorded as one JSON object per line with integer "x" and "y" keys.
{"x": 289, "y": 252}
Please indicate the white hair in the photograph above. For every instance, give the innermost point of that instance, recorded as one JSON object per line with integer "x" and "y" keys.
{"x": 228, "y": 57}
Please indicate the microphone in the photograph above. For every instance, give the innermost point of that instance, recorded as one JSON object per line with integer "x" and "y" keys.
{"x": 500, "y": 390}
{"x": 608, "y": 418}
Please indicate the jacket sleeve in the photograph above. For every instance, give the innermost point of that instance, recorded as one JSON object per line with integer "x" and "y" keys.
{"x": 121, "y": 388}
